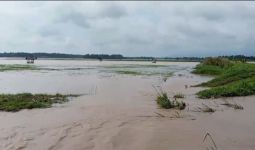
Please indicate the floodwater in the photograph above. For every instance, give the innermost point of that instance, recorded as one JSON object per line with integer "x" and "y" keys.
{"x": 118, "y": 111}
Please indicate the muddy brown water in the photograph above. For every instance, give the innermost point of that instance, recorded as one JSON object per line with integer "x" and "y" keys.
{"x": 119, "y": 112}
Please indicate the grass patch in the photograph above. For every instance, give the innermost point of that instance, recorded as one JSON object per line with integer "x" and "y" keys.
{"x": 238, "y": 88}
{"x": 144, "y": 73}
{"x": 207, "y": 70}
{"x": 134, "y": 66}
{"x": 164, "y": 102}
{"x": 232, "y": 74}
{"x": 128, "y": 72}
{"x": 16, "y": 102}
{"x": 10, "y": 67}
{"x": 213, "y": 66}
{"x": 140, "y": 69}
{"x": 233, "y": 79}
{"x": 218, "y": 61}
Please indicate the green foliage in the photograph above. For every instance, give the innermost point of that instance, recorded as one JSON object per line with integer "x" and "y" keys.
{"x": 9, "y": 67}
{"x": 232, "y": 74}
{"x": 233, "y": 78}
{"x": 213, "y": 66}
{"x": 164, "y": 102}
{"x": 239, "y": 88}
{"x": 16, "y": 102}
{"x": 217, "y": 61}
{"x": 129, "y": 72}
{"x": 207, "y": 70}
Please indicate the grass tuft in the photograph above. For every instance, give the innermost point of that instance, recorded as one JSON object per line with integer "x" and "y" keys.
{"x": 164, "y": 102}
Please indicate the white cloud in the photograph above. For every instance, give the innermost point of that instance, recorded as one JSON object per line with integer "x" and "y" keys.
{"x": 129, "y": 28}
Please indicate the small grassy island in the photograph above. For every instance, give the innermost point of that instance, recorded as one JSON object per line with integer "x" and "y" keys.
{"x": 232, "y": 78}
{"x": 16, "y": 102}
{"x": 16, "y": 67}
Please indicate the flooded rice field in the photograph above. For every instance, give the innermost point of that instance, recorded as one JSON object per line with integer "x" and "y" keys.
{"x": 117, "y": 109}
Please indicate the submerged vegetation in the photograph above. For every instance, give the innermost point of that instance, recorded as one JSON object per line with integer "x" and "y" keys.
{"x": 16, "y": 102}
{"x": 233, "y": 78}
{"x": 179, "y": 95}
{"x": 9, "y": 67}
{"x": 128, "y": 72}
{"x": 232, "y": 105}
{"x": 164, "y": 102}
{"x": 140, "y": 69}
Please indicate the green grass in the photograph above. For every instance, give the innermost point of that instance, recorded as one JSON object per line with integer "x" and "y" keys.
{"x": 237, "y": 79}
{"x": 140, "y": 69}
{"x": 208, "y": 70}
{"x": 164, "y": 102}
{"x": 239, "y": 88}
{"x": 134, "y": 66}
{"x": 218, "y": 61}
{"x": 129, "y": 72}
{"x": 143, "y": 73}
{"x": 16, "y": 102}
{"x": 232, "y": 74}
{"x": 10, "y": 67}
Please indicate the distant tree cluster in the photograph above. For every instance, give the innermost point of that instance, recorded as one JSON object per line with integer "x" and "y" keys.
{"x": 103, "y": 56}
{"x": 60, "y": 55}
{"x": 240, "y": 58}
{"x": 118, "y": 56}
{"x": 40, "y": 55}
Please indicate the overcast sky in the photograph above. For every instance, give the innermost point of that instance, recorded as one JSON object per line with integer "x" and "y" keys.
{"x": 129, "y": 28}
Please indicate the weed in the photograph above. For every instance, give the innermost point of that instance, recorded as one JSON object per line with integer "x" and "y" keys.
{"x": 164, "y": 101}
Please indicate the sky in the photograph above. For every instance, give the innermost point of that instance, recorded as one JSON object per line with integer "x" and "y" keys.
{"x": 162, "y": 29}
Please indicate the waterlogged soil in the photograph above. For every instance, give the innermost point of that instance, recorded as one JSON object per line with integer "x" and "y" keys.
{"x": 119, "y": 111}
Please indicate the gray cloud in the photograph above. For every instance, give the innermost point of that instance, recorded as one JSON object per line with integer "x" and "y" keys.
{"x": 113, "y": 11}
{"x": 75, "y": 17}
{"x": 130, "y": 28}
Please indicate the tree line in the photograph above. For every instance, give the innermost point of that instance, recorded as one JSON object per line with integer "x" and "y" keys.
{"x": 117, "y": 56}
